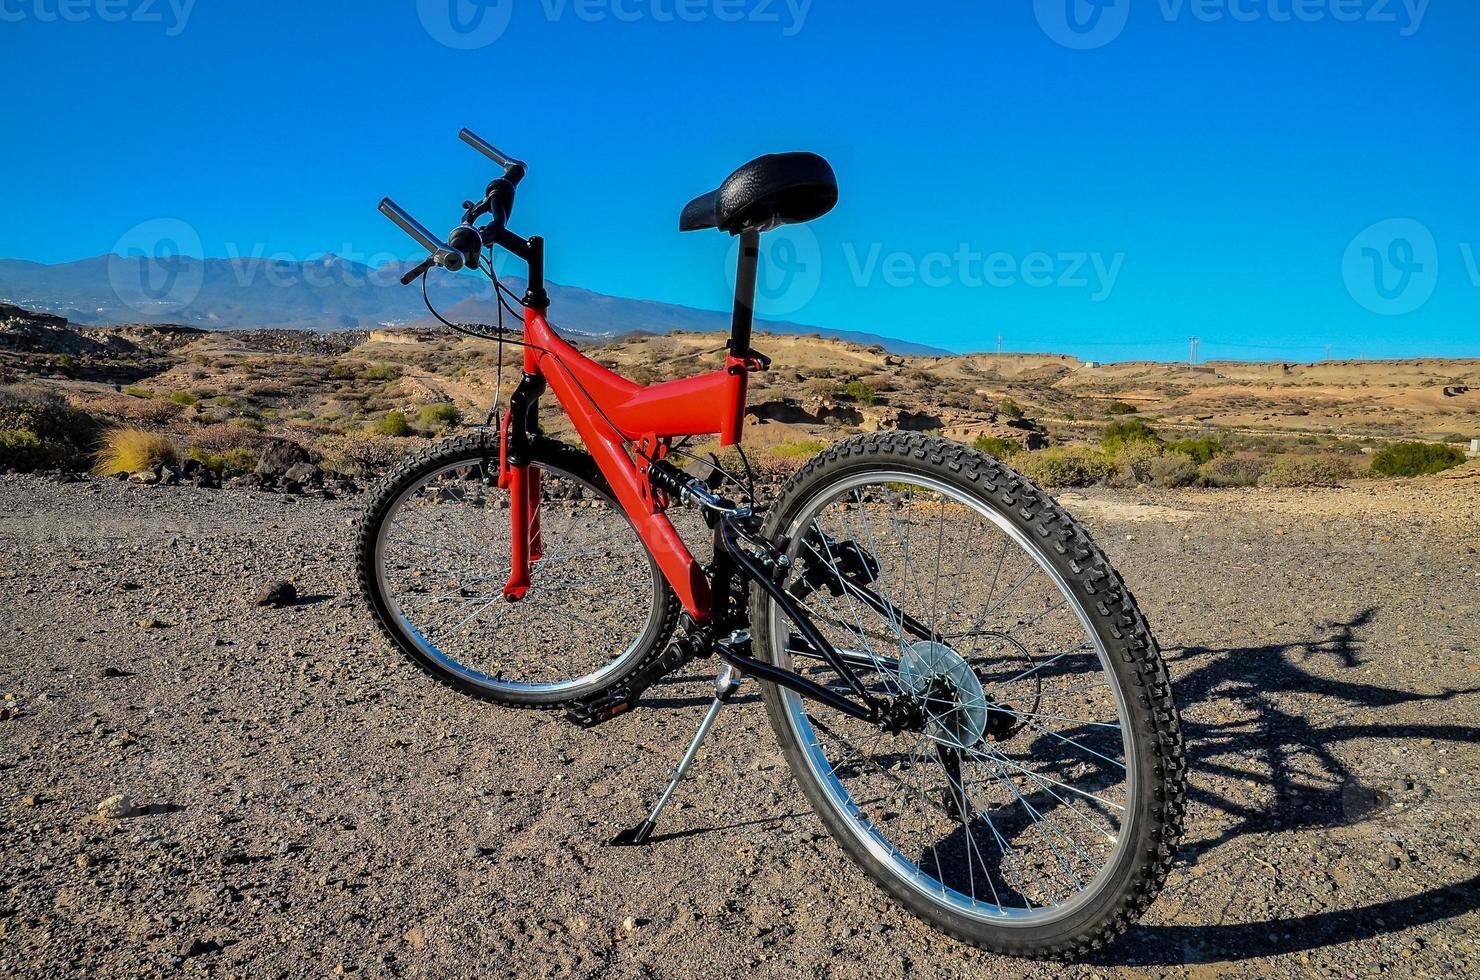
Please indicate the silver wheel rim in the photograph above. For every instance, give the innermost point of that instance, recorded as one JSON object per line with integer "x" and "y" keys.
{"x": 856, "y": 816}
{"x": 486, "y": 569}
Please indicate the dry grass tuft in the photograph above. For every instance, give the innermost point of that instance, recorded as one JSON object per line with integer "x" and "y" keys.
{"x": 132, "y": 450}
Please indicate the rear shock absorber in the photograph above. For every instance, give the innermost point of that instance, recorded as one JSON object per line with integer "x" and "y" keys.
{"x": 685, "y": 489}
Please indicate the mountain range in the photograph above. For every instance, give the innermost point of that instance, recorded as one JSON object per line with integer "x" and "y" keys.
{"x": 333, "y": 293}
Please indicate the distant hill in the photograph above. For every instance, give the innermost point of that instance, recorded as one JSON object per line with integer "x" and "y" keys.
{"x": 332, "y": 293}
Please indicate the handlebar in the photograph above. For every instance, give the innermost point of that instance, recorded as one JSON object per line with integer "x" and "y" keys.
{"x": 464, "y": 241}
{"x": 443, "y": 255}
{"x": 492, "y": 152}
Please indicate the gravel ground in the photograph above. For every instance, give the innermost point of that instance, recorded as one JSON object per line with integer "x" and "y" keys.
{"x": 310, "y": 805}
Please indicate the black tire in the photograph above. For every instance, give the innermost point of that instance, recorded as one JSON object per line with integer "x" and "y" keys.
{"x": 470, "y": 451}
{"x": 1156, "y": 812}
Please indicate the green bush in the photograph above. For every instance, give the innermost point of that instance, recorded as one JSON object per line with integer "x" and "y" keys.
{"x": 1122, "y": 431}
{"x": 1010, "y": 408}
{"x": 995, "y": 447}
{"x": 1416, "y": 459}
{"x": 381, "y": 372}
{"x": 38, "y": 430}
{"x": 1308, "y": 471}
{"x": 438, "y": 416}
{"x": 794, "y": 450}
{"x": 1121, "y": 408}
{"x": 1065, "y": 466}
{"x": 1233, "y": 471}
{"x": 138, "y": 392}
{"x": 67, "y": 363}
{"x": 183, "y": 398}
{"x": 858, "y": 391}
{"x": 393, "y": 424}
{"x": 228, "y": 462}
{"x": 1202, "y": 449}
{"x": 24, "y": 450}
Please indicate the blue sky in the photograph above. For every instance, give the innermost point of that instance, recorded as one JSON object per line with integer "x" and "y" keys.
{"x": 1272, "y": 176}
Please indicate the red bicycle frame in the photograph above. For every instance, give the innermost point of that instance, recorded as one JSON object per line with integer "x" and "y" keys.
{"x": 612, "y": 413}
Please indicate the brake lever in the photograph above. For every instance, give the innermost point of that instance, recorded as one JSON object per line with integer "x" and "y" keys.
{"x": 419, "y": 271}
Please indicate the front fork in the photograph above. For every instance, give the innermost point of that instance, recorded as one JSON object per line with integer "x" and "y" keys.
{"x": 521, "y": 479}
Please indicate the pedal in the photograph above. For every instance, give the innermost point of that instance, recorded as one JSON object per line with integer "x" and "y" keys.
{"x": 592, "y": 712}
{"x": 608, "y": 704}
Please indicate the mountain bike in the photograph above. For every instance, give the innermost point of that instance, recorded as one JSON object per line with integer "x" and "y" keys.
{"x": 961, "y": 684}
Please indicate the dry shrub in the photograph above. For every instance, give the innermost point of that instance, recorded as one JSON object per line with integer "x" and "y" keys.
{"x": 132, "y": 450}
{"x": 1135, "y": 461}
{"x": 366, "y": 453}
{"x": 1173, "y": 470}
{"x": 1065, "y": 466}
{"x": 146, "y": 411}
{"x": 1233, "y": 471}
{"x": 1308, "y": 471}
{"x": 222, "y": 436}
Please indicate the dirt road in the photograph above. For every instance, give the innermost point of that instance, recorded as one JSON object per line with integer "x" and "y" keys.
{"x": 312, "y": 806}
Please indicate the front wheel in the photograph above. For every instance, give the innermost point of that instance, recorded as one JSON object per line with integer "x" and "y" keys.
{"x": 434, "y": 556}
{"x": 1033, "y": 802}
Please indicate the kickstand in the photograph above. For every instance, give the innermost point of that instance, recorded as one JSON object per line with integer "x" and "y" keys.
{"x": 725, "y": 686}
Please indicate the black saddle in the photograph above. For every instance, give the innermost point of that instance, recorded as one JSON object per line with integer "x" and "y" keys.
{"x": 770, "y": 191}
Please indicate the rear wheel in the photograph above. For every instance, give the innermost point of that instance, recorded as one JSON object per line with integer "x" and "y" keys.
{"x": 1032, "y": 801}
{"x": 434, "y": 549}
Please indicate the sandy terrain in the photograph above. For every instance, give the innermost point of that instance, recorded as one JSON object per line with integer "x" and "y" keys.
{"x": 314, "y": 806}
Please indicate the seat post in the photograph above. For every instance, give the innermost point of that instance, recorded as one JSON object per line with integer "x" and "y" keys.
{"x": 745, "y": 278}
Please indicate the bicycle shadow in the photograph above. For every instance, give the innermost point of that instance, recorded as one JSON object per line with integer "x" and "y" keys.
{"x": 1263, "y": 736}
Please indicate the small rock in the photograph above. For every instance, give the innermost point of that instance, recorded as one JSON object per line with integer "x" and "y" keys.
{"x": 149, "y": 623}
{"x": 278, "y": 595}
{"x": 115, "y": 672}
{"x": 1391, "y": 863}
{"x": 633, "y": 923}
{"x": 198, "y": 947}
{"x": 415, "y": 937}
{"x": 117, "y": 807}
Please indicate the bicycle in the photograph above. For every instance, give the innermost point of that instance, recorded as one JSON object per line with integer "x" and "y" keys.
{"x": 961, "y": 684}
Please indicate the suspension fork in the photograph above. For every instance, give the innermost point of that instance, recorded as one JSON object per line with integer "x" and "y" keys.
{"x": 516, "y": 474}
